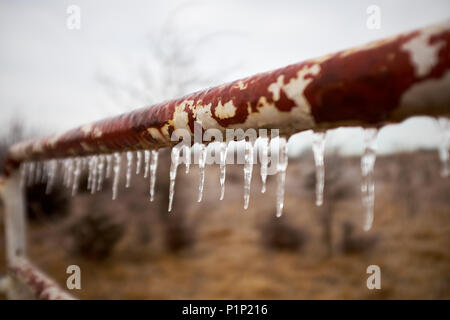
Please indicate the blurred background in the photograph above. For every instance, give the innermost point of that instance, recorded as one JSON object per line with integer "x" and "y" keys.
{"x": 129, "y": 54}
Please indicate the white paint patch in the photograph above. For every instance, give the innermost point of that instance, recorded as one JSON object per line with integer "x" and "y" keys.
{"x": 156, "y": 134}
{"x": 424, "y": 56}
{"x": 298, "y": 118}
{"x": 203, "y": 114}
{"x": 97, "y": 133}
{"x": 86, "y": 129}
{"x": 240, "y": 85}
{"x": 275, "y": 88}
{"x": 180, "y": 118}
{"x": 296, "y": 86}
{"x": 225, "y": 111}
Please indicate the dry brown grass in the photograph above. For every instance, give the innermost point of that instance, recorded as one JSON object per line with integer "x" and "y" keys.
{"x": 227, "y": 259}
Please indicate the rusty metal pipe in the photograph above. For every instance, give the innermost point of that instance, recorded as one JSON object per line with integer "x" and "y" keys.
{"x": 371, "y": 85}
{"x": 32, "y": 283}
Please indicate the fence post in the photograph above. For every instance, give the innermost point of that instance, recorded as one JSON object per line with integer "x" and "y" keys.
{"x": 12, "y": 194}
{"x": 24, "y": 280}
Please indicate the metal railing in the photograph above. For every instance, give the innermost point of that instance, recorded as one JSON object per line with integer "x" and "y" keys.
{"x": 372, "y": 85}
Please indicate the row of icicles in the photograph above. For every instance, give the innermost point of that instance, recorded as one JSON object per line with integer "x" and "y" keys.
{"x": 101, "y": 167}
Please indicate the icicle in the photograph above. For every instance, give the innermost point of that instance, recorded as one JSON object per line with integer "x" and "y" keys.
{"x": 44, "y": 172}
{"x": 52, "y": 168}
{"x": 69, "y": 172}
{"x": 116, "y": 170}
{"x": 175, "y": 161}
{"x": 146, "y": 162}
{"x": 367, "y": 184}
{"x": 318, "y": 146}
{"x": 263, "y": 143}
{"x": 63, "y": 164}
{"x": 248, "y": 169}
{"x": 30, "y": 174}
{"x": 89, "y": 164}
{"x": 201, "y": 166}
{"x": 153, "y": 167}
{"x": 109, "y": 159}
{"x": 223, "y": 162}
{"x": 23, "y": 174}
{"x": 187, "y": 157}
{"x": 65, "y": 167}
{"x": 129, "y": 165}
{"x": 100, "y": 172}
{"x": 38, "y": 172}
{"x": 94, "y": 174}
{"x": 281, "y": 173}
{"x": 138, "y": 161}
{"x": 76, "y": 176}
{"x": 444, "y": 146}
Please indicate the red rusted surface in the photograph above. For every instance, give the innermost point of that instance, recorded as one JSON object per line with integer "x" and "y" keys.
{"x": 41, "y": 286}
{"x": 382, "y": 82}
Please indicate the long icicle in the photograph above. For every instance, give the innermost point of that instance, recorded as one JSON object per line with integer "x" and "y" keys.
{"x": 201, "y": 167}
{"x": 94, "y": 174}
{"x": 44, "y": 174}
{"x": 38, "y": 175}
{"x": 248, "y": 169}
{"x": 116, "y": 171}
{"x": 138, "y": 162}
{"x": 23, "y": 174}
{"x": 129, "y": 166}
{"x": 368, "y": 184}
{"x": 281, "y": 173}
{"x": 263, "y": 143}
{"x": 90, "y": 172}
{"x": 30, "y": 175}
{"x": 146, "y": 162}
{"x": 153, "y": 168}
{"x": 175, "y": 161}
{"x": 109, "y": 160}
{"x": 187, "y": 157}
{"x": 223, "y": 162}
{"x": 65, "y": 166}
{"x": 76, "y": 176}
{"x": 100, "y": 172}
{"x": 444, "y": 146}
{"x": 53, "y": 167}
{"x": 318, "y": 146}
{"x": 70, "y": 169}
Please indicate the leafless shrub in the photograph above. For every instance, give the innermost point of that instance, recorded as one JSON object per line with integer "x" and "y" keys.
{"x": 277, "y": 234}
{"x": 95, "y": 235}
{"x": 353, "y": 244}
{"x": 42, "y": 207}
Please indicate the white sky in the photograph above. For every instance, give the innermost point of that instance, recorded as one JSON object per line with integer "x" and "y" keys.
{"x": 48, "y": 71}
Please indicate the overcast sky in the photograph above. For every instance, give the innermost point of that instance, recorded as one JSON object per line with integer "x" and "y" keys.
{"x": 49, "y": 73}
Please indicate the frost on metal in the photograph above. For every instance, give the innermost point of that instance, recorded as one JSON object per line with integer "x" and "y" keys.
{"x": 381, "y": 82}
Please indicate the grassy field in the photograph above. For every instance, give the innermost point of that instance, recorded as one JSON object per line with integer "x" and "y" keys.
{"x": 217, "y": 250}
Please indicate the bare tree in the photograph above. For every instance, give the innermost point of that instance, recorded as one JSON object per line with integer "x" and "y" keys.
{"x": 171, "y": 71}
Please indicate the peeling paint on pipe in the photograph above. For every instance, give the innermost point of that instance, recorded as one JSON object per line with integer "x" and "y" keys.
{"x": 41, "y": 286}
{"x": 382, "y": 82}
